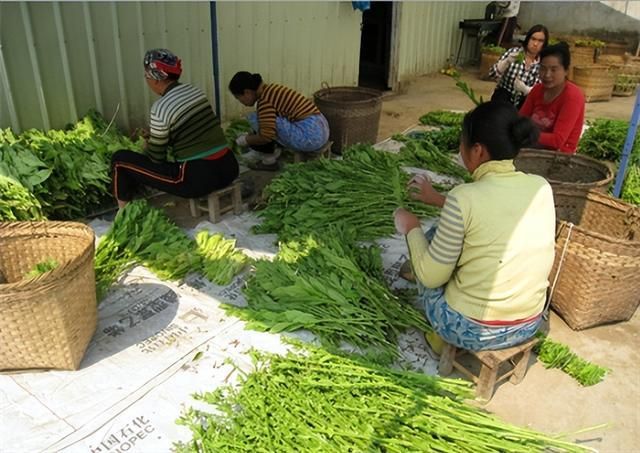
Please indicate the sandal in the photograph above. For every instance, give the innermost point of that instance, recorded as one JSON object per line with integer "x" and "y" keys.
{"x": 406, "y": 272}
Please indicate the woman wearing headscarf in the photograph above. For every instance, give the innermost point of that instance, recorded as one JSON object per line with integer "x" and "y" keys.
{"x": 185, "y": 153}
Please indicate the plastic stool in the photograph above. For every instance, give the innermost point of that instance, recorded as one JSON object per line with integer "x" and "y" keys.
{"x": 517, "y": 357}
{"x": 323, "y": 151}
{"x": 213, "y": 205}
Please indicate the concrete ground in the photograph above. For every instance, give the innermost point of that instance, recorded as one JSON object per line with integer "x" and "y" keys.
{"x": 547, "y": 400}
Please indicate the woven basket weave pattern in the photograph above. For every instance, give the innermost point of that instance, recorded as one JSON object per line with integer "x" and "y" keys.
{"x": 353, "y": 114}
{"x": 565, "y": 170}
{"x": 596, "y": 81}
{"x": 599, "y": 278}
{"x": 47, "y": 321}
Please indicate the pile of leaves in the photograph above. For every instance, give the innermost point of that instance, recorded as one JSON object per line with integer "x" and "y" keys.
{"x": 142, "y": 234}
{"x": 359, "y": 192}
{"x": 17, "y": 202}
{"x": 236, "y": 127}
{"x": 325, "y": 402}
{"x": 330, "y": 286}
{"x": 442, "y": 118}
{"x": 66, "y": 170}
{"x": 422, "y": 152}
{"x": 42, "y": 267}
{"x": 557, "y": 355}
{"x": 496, "y": 50}
{"x": 605, "y": 139}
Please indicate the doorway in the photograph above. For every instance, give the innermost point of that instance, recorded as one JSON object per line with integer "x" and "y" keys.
{"x": 375, "y": 46}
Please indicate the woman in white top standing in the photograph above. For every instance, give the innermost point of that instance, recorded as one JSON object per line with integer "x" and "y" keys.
{"x": 518, "y": 69}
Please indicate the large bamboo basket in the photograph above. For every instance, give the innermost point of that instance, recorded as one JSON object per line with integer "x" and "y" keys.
{"x": 596, "y": 82}
{"x": 627, "y": 78}
{"x": 46, "y": 321}
{"x": 573, "y": 171}
{"x": 353, "y": 114}
{"x": 598, "y": 257}
{"x": 486, "y": 61}
{"x": 580, "y": 56}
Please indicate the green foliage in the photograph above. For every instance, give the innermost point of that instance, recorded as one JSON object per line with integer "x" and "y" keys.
{"x": 557, "y": 355}
{"x": 236, "y": 128}
{"x": 17, "y": 202}
{"x": 328, "y": 403}
{"x": 359, "y": 192}
{"x": 422, "y": 152}
{"x": 604, "y": 139}
{"x": 496, "y": 50}
{"x": 66, "y": 170}
{"x": 442, "y": 118}
{"x": 631, "y": 189}
{"x": 142, "y": 234}
{"x": 42, "y": 267}
{"x": 328, "y": 285}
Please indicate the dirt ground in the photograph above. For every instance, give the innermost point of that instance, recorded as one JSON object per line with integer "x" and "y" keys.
{"x": 547, "y": 400}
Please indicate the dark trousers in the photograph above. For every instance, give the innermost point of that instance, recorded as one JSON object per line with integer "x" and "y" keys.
{"x": 192, "y": 179}
{"x": 502, "y": 95}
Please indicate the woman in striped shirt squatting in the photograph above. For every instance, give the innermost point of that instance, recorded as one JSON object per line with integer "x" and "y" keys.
{"x": 185, "y": 153}
{"x": 283, "y": 116}
{"x": 483, "y": 271}
{"x": 518, "y": 69}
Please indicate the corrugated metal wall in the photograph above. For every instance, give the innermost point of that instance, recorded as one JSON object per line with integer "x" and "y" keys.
{"x": 429, "y": 35}
{"x": 59, "y": 59}
{"x": 298, "y": 44}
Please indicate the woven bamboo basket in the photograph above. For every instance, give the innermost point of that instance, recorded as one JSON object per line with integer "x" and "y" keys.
{"x": 596, "y": 82}
{"x": 565, "y": 170}
{"x": 627, "y": 78}
{"x": 580, "y": 56}
{"x": 46, "y": 321}
{"x": 598, "y": 257}
{"x": 353, "y": 114}
{"x": 487, "y": 60}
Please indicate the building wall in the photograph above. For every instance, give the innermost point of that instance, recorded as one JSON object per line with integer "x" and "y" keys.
{"x": 429, "y": 35}
{"x": 298, "y": 44}
{"x": 592, "y": 16}
{"x": 58, "y": 59}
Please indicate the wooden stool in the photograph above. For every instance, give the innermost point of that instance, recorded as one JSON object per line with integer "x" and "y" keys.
{"x": 490, "y": 362}
{"x": 213, "y": 207}
{"x": 323, "y": 151}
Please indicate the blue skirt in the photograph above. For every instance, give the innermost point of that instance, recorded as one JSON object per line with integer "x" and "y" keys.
{"x": 464, "y": 332}
{"x": 305, "y": 135}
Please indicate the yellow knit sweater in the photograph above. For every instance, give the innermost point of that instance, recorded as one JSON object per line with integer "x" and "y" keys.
{"x": 494, "y": 247}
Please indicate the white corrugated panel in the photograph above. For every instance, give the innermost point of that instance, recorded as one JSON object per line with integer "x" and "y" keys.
{"x": 298, "y": 44}
{"x": 429, "y": 35}
{"x": 59, "y": 59}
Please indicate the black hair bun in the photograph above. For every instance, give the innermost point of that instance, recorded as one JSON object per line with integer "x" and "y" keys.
{"x": 523, "y": 132}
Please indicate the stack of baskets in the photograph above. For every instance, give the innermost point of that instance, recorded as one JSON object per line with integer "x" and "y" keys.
{"x": 46, "y": 321}
{"x": 596, "y": 81}
{"x": 353, "y": 114}
{"x": 627, "y": 78}
{"x": 565, "y": 170}
{"x": 596, "y": 274}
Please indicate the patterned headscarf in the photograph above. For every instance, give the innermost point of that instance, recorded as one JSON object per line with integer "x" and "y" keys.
{"x": 159, "y": 63}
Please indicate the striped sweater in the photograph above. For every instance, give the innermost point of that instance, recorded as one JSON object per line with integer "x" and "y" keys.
{"x": 183, "y": 125}
{"x": 494, "y": 245}
{"x": 277, "y": 100}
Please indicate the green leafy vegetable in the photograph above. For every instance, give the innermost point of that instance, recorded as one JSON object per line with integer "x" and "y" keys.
{"x": 557, "y": 355}
{"x": 17, "y": 202}
{"x": 631, "y": 188}
{"x": 42, "y": 267}
{"x": 327, "y": 403}
{"x": 333, "y": 288}
{"x": 236, "y": 128}
{"x": 496, "y": 50}
{"x": 221, "y": 260}
{"x": 361, "y": 191}
{"x": 423, "y": 153}
{"x": 605, "y": 138}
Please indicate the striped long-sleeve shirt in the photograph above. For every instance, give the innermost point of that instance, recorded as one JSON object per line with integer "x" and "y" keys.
{"x": 277, "y": 100}
{"x": 183, "y": 124}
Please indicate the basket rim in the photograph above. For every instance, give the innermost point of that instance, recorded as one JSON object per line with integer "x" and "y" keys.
{"x": 581, "y": 158}
{"x": 43, "y": 227}
{"x": 601, "y": 198}
{"x": 376, "y": 94}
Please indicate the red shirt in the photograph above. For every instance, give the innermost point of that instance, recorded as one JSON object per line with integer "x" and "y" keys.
{"x": 560, "y": 121}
